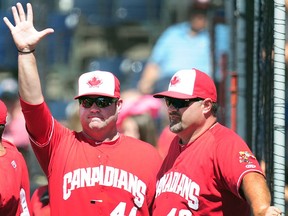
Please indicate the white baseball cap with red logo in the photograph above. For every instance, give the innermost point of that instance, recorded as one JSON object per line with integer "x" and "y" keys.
{"x": 189, "y": 84}
{"x": 98, "y": 83}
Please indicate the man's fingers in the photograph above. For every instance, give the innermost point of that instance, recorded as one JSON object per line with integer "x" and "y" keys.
{"x": 15, "y": 15}
{"x": 45, "y": 32}
{"x": 8, "y": 23}
{"x": 21, "y": 12}
{"x": 29, "y": 13}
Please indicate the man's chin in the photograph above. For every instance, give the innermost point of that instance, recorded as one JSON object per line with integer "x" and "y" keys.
{"x": 175, "y": 128}
{"x": 96, "y": 125}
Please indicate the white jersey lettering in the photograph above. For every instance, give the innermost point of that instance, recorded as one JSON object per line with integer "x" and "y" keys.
{"x": 23, "y": 203}
{"x": 180, "y": 184}
{"x": 105, "y": 176}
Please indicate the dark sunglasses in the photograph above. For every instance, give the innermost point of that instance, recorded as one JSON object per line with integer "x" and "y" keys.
{"x": 100, "y": 102}
{"x": 180, "y": 103}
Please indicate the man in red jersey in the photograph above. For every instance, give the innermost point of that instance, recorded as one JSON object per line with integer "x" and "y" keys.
{"x": 209, "y": 169}
{"x": 14, "y": 178}
{"x": 93, "y": 172}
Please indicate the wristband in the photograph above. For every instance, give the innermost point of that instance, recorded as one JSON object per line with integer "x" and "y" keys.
{"x": 23, "y": 52}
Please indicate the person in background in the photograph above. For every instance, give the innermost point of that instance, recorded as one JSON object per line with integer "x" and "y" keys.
{"x": 97, "y": 170}
{"x": 209, "y": 169}
{"x": 182, "y": 45}
{"x": 14, "y": 177}
{"x": 140, "y": 126}
{"x": 139, "y": 116}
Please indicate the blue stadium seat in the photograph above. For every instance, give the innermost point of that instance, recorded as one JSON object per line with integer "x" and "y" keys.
{"x": 128, "y": 71}
{"x": 111, "y": 64}
{"x": 8, "y": 52}
{"x": 58, "y": 109}
{"x": 96, "y": 12}
{"x": 132, "y": 70}
{"x": 136, "y": 10}
{"x": 59, "y": 43}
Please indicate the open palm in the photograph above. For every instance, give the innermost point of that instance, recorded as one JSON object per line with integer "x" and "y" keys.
{"x": 25, "y": 36}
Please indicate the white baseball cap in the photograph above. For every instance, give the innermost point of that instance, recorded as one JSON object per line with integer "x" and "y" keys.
{"x": 98, "y": 83}
{"x": 189, "y": 84}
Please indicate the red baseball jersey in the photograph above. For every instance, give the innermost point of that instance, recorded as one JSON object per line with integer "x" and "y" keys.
{"x": 88, "y": 178}
{"x": 203, "y": 177}
{"x": 14, "y": 183}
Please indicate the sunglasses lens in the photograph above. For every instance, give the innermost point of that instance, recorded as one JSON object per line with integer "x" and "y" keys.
{"x": 177, "y": 103}
{"x": 103, "y": 102}
{"x": 100, "y": 102}
{"x": 86, "y": 102}
{"x": 174, "y": 103}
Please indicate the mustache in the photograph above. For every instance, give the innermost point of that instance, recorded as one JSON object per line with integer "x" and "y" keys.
{"x": 174, "y": 113}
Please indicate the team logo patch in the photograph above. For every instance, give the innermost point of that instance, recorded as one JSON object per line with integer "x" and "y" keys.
{"x": 94, "y": 82}
{"x": 174, "y": 80}
{"x": 13, "y": 163}
{"x": 245, "y": 156}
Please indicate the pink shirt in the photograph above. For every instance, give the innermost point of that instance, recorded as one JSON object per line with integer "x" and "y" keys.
{"x": 204, "y": 177}
{"x": 85, "y": 178}
{"x": 15, "y": 131}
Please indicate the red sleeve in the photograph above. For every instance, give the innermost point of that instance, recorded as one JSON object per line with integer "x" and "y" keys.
{"x": 39, "y": 124}
{"x": 39, "y": 121}
{"x": 235, "y": 160}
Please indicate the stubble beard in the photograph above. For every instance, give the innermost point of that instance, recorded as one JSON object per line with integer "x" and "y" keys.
{"x": 176, "y": 127}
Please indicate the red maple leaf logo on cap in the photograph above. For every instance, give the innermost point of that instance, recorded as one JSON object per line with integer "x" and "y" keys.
{"x": 94, "y": 82}
{"x": 174, "y": 80}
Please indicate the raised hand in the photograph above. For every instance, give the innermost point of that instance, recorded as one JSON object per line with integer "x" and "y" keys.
{"x": 25, "y": 36}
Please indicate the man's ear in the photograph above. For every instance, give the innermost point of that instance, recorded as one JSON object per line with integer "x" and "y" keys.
{"x": 119, "y": 105}
{"x": 207, "y": 104}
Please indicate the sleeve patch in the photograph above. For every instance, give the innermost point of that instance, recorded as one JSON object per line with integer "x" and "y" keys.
{"x": 245, "y": 157}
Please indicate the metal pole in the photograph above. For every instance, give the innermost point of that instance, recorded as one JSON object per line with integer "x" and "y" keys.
{"x": 241, "y": 71}
{"x": 233, "y": 101}
{"x": 279, "y": 104}
{"x": 254, "y": 137}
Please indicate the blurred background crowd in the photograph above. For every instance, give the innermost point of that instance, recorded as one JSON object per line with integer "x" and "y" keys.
{"x": 143, "y": 42}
